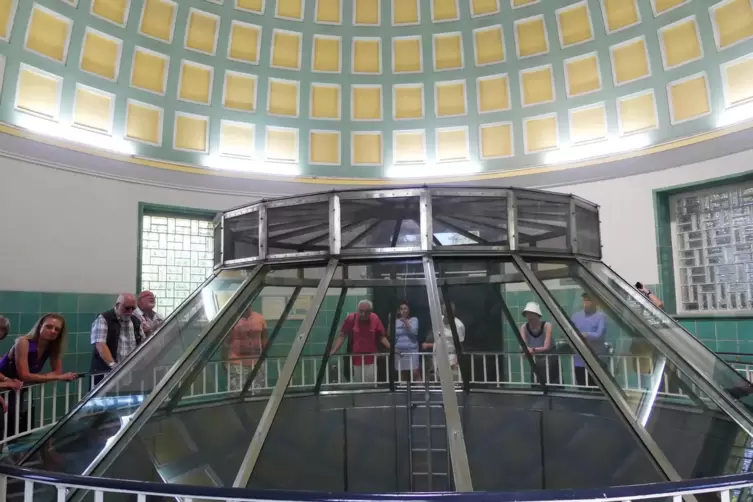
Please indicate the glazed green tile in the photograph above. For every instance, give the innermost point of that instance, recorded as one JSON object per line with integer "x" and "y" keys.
{"x": 690, "y": 325}
{"x": 67, "y": 303}
{"x": 10, "y": 302}
{"x": 705, "y": 330}
{"x": 745, "y": 330}
{"x": 49, "y": 303}
{"x": 726, "y": 329}
{"x": 31, "y": 302}
{"x": 726, "y": 346}
{"x": 27, "y": 322}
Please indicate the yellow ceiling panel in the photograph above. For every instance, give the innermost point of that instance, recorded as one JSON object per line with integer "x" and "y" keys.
{"x": 282, "y": 97}
{"x": 244, "y": 42}
{"x": 286, "y": 50}
{"x": 574, "y": 22}
{"x": 405, "y": 12}
{"x": 409, "y": 146}
{"x": 637, "y": 113}
{"x": 537, "y": 85}
{"x": 237, "y": 139}
{"x": 143, "y": 123}
{"x": 738, "y": 81}
{"x": 149, "y": 70}
{"x": 240, "y": 91}
{"x": 496, "y": 141}
{"x": 541, "y": 133}
{"x": 366, "y": 12}
{"x": 191, "y": 132}
{"x": 408, "y": 101}
{"x": 588, "y": 124}
{"x": 448, "y": 51}
{"x": 484, "y": 7}
{"x": 406, "y": 55}
{"x": 38, "y": 92}
{"x": 444, "y": 10}
{"x": 328, "y": 11}
{"x": 449, "y": 98}
{"x": 367, "y": 55}
{"x": 733, "y": 20}
{"x": 201, "y": 33}
{"x": 282, "y": 144}
{"x": 255, "y": 6}
{"x": 366, "y": 148}
{"x": 630, "y": 61}
{"x": 493, "y": 93}
{"x": 530, "y": 36}
{"x": 325, "y": 101}
{"x": 582, "y": 75}
{"x": 327, "y": 52}
{"x": 689, "y": 98}
{"x": 7, "y": 13}
{"x": 452, "y": 144}
{"x": 100, "y": 54}
{"x": 681, "y": 43}
{"x": 489, "y": 46}
{"x": 158, "y": 19}
{"x": 93, "y": 109}
{"x": 289, "y": 9}
{"x": 620, "y": 14}
{"x": 662, "y": 6}
{"x": 523, "y": 3}
{"x": 114, "y": 11}
{"x": 48, "y": 33}
{"x": 366, "y": 102}
{"x": 195, "y": 83}
{"x": 324, "y": 147}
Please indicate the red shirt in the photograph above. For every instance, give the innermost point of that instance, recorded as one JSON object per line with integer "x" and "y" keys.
{"x": 365, "y": 335}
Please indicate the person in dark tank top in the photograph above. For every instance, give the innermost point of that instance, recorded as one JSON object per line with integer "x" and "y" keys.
{"x": 537, "y": 337}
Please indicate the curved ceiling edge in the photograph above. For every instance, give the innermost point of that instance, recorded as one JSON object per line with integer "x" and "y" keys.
{"x": 20, "y": 145}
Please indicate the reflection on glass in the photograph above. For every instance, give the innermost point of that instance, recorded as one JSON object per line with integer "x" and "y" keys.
{"x": 81, "y": 437}
{"x": 380, "y": 222}
{"x": 683, "y": 421}
{"x": 686, "y": 345}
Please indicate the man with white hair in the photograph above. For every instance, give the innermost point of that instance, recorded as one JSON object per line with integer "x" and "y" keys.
{"x": 115, "y": 334}
{"x": 365, "y": 330}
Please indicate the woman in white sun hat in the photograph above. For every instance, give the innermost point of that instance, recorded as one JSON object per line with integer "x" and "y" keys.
{"x": 537, "y": 337}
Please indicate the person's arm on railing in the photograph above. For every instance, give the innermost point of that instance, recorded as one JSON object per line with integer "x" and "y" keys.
{"x": 347, "y": 327}
{"x": 601, "y": 328}
{"x": 22, "y": 365}
{"x": 99, "y": 340}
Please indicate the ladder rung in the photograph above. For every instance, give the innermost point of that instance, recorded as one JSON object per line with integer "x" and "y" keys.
{"x": 432, "y": 474}
{"x": 419, "y": 426}
{"x": 424, "y": 450}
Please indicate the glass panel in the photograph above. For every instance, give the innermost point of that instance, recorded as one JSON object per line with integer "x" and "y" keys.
{"x": 682, "y": 419}
{"x": 298, "y": 229}
{"x": 543, "y": 222}
{"x": 217, "y": 229}
{"x": 209, "y": 420}
{"x": 242, "y": 236}
{"x": 469, "y": 220}
{"x": 686, "y": 345}
{"x": 587, "y": 231}
{"x": 83, "y": 435}
{"x": 380, "y": 222}
{"x": 573, "y": 419}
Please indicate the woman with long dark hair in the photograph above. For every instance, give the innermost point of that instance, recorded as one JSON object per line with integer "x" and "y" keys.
{"x": 406, "y": 344}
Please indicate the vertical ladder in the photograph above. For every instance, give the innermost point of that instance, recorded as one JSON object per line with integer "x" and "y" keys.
{"x": 429, "y": 461}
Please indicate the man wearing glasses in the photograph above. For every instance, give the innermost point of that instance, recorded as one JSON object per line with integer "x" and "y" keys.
{"x": 115, "y": 334}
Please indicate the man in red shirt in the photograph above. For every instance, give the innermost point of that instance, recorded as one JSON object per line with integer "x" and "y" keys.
{"x": 366, "y": 329}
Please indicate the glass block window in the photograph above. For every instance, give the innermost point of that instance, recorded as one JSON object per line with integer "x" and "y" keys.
{"x": 176, "y": 257}
{"x": 712, "y": 247}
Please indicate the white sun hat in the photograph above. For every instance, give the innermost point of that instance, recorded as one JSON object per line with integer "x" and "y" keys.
{"x": 533, "y": 308}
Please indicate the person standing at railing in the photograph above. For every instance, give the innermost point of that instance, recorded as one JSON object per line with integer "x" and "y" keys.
{"x": 406, "y": 343}
{"x": 150, "y": 318}
{"x": 449, "y": 342}
{"x": 25, "y": 362}
{"x": 537, "y": 337}
{"x": 114, "y": 335}
{"x": 365, "y": 330}
{"x": 648, "y": 294}
{"x": 243, "y": 349}
{"x": 591, "y": 324}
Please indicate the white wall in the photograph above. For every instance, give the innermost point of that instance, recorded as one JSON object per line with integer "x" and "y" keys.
{"x": 628, "y": 229}
{"x": 67, "y": 232}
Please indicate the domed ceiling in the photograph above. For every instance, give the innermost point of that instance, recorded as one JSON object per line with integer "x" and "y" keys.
{"x": 374, "y": 88}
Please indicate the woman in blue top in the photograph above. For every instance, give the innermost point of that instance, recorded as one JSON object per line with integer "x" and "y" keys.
{"x": 406, "y": 343}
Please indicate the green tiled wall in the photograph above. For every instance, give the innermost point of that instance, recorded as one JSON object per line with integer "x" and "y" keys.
{"x": 24, "y": 308}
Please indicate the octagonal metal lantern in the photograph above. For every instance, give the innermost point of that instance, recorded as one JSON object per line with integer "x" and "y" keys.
{"x": 405, "y": 221}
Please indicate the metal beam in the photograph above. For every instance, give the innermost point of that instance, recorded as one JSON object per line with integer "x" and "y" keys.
{"x": 265, "y": 422}
{"x": 461, "y": 471}
{"x": 330, "y": 340}
{"x": 603, "y": 378}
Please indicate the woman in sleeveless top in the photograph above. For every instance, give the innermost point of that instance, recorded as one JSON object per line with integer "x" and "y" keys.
{"x": 537, "y": 337}
{"x": 25, "y": 361}
{"x": 406, "y": 344}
